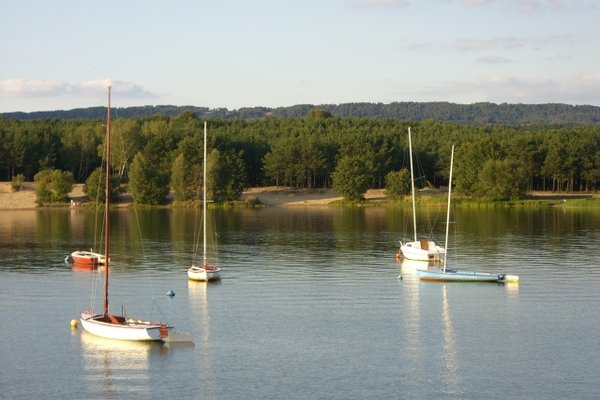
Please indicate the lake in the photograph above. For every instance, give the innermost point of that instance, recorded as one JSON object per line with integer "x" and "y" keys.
{"x": 312, "y": 305}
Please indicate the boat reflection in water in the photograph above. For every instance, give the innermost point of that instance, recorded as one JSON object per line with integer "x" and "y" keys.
{"x": 200, "y": 310}
{"x": 450, "y": 378}
{"x": 116, "y": 368}
{"x": 85, "y": 267}
{"x": 408, "y": 268}
{"x": 412, "y": 316}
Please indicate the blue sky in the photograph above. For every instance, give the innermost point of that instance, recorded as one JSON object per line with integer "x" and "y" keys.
{"x": 234, "y": 53}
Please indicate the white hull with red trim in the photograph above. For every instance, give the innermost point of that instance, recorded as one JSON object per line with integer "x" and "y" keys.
{"x": 121, "y": 328}
{"x": 112, "y": 326}
{"x": 82, "y": 257}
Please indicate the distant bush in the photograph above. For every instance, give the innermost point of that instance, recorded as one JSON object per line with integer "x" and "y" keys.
{"x": 397, "y": 183}
{"x": 53, "y": 185}
{"x": 251, "y": 202}
{"x": 17, "y": 182}
{"x": 351, "y": 178}
{"x": 146, "y": 184}
{"x": 94, "y": 186}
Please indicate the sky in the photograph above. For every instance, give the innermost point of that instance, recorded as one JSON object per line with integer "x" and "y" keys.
{"x": 63, "y": 54}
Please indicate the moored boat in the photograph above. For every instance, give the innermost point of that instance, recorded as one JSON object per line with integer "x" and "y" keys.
{"x": 83, "y": 257}
{"x": 114, "y": 326}
{"x": 204, "y": 272}
{"x": 122, "y": 328}
{"x": 453, "y": 275}
{"x": 418, "y": 250}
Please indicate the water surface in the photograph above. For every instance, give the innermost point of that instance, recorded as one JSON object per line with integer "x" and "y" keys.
{"x": 310, "y": 306}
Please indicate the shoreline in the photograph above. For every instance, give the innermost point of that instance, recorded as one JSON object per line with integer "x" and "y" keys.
{"x": 268, "y": 196}
{"x": 280, "y": 196}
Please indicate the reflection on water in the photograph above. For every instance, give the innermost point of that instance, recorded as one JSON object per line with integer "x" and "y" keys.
{"x": 114, "y": 367}
{"x": 199, "y": 304}
{"x": 412, "y": 316}
{"x": 451, "y": 377}
{"x": 411, "y": 266}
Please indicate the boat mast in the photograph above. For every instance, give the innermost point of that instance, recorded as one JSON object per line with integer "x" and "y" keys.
{"x": 107, "y": 208}
{"x": 448, "y": 212}
{"x": 204, "y": 260}
{"x": 412, "y": 184}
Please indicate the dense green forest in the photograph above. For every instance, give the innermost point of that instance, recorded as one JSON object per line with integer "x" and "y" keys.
{"x": 477, "y": 113}
{"x": 159, "y": 152}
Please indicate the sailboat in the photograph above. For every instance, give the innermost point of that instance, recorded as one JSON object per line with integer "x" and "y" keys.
{"x": 419, "y": 250}
{"x": 109, "y": 325}
{"x": 86, "y": 258}
{"x": 453, "y": 275}
{"x": 204, "y": 272}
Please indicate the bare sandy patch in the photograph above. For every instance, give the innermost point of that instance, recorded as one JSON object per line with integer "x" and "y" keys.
{"x": 22, "y": 200}
{"x": 25, "y": 198}
{"x": 270, "y": 195}
{"x": 286, "y": 196}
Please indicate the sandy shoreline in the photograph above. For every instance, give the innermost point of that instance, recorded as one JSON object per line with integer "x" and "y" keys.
{"x": 271, "y": 196}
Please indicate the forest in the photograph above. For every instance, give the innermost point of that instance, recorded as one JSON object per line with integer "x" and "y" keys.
{"x": 474, "y": 114}
{"x": 156, "y": 154}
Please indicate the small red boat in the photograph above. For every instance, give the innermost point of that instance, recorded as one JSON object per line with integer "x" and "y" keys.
{"x": 89, "y": 258}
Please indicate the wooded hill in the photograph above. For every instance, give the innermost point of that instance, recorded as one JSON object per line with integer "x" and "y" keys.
{"x": 473, "y": 114}
{"x": 319, "y": 150}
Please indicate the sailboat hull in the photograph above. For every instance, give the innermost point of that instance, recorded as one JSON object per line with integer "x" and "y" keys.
{"x": 422, "y": 250}
{"x": 204, "y": 274}
{"x": 86, "y": 258}
{"x": 124, "y": 328}
{"x": 452, "y": 275}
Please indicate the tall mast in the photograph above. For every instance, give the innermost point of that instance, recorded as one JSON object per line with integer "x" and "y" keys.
{"x": 412, "y": 184}
{"x": 204, "y": 260}
{"x": 448, "y": 212}
{"x": 107, "y": 207}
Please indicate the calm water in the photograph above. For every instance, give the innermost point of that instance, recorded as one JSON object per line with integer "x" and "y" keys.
{"x": 310, "y": 307}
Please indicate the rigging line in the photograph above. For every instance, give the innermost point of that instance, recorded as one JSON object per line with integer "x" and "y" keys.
{"x": 196, "y": 244}
{"x": 93, "y": 291}
{"x": 97, "y": 240}
{"x": 144, "y": 258}
{"x": 123, "y": 152}
{"x": 95, "y": 277}
{"x": 154, "y": 303}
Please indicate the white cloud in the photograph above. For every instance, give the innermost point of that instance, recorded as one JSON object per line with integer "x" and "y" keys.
{"x": 493, "y": 60}
{"x": 532, "y": 6}
{"x": 383, "y": 3}
{"x": 475, "y": 3}
{"x": 582, "y": 89}
{"x": 123, "y": 89}
{"x": 578, "y": 90}
{"x": 33, "y": 88}
{"x": 489, "y": 44}
{"x": 36, "y": 87}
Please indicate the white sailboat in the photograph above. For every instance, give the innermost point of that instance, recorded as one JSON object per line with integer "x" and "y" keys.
{"x": 204, "y": 272}
{"x": 453, "y": 275}
{"x": 419, "y": 250}
{"x": 109, "y": 325}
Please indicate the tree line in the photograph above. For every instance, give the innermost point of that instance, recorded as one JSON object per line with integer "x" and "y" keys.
{"x": 473, "y": 114}
{"x": 153, "y": 155}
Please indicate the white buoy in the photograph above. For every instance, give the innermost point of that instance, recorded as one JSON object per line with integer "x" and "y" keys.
{"x": 170, "y": 293}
